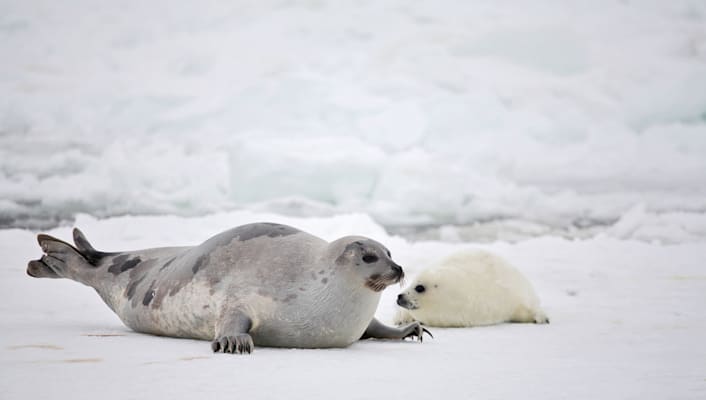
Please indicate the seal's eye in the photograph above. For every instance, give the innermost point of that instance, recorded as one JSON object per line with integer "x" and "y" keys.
{"x": 370, "y": 258}
{"x": 419, "y": 289}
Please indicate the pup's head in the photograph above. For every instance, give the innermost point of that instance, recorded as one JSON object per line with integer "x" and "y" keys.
{"x": 423, "y": 291}
{"x": 436, "y": 293}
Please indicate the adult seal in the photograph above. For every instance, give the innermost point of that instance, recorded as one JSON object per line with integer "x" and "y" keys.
{"x": 260, "y": 284}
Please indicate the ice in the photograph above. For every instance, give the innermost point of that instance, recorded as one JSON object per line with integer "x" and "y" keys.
{"x": 332, "y": 171}
{"x": 626, "y": 316}
{"x": 673, "y": 227}
{"x": 568, "y": 137}
{"x": 565, "y": 115}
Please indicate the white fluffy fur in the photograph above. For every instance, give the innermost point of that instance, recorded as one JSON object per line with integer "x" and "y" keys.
{"x": 471, "y": 288}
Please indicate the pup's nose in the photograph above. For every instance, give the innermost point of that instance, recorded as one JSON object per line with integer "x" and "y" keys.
{"x": 400, "y": 297}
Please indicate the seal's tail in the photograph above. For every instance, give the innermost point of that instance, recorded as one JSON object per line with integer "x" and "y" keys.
{"x": 62, "y": 260}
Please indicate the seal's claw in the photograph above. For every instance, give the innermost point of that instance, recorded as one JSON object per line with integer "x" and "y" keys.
{"x": 233, "y": 345}
{"x": 238, "y": 344}
{"x": 416, "y": 331}
{"x": 224, "y": 344}
{"x": 424, "y": 330}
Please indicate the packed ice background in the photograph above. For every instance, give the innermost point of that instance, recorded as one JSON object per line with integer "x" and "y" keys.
{"x": 568, "y": 137}
{"x": 627, "y": 322}
{"x": 519, "y": 119}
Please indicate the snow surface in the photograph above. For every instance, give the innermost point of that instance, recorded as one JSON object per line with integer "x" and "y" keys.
{"x": 567, "y": 136}
{"x": 555, "y": 115}
{"x": 627, "y": 322}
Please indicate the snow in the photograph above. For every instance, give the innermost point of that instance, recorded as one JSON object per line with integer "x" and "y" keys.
{"x": 568, "y": 137}
{"x": 560, "y": 114}
{"x": 627, "y": 321}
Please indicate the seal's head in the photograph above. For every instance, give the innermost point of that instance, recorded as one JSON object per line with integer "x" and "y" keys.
{"x": 367, "y": 259}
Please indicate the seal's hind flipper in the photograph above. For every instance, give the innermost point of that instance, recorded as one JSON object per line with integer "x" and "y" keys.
{"x": 38, "y": 269}
{"x": 92, "y": 255}
{"x": 63, "y": 260}
{"x": 60, "y": 259}
{"x": 55, "y": 247}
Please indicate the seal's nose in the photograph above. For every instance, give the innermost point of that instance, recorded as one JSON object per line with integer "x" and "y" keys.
{"x": 397, "y": 268}
{"x": 398, "y": 271}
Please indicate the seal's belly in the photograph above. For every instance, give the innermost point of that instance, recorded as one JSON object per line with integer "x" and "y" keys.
{"x": 191, "y": 313}
{"x": 195, "y": 310}
{"x": 276, "y": 334}
{"x": 319, "y": 327}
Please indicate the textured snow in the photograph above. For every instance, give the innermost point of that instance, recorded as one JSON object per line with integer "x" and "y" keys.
{"x": 627, "y": 321}
{"x": 568, "y": 137}
{"x": 560, "y": 115}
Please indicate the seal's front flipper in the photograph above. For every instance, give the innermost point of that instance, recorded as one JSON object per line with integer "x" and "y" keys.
{"x": 232, "y": 334}
{"x": 378, "y": 330}
{"x": 238, "y": 344}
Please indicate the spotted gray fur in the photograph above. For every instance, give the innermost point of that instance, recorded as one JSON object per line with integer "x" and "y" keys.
{"x": 123, "y": 263}
{"x": 266, "y": 283}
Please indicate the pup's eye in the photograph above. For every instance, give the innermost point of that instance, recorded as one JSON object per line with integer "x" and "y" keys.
{"x": 419, "y": 289}
{"x": 370, "y": 258}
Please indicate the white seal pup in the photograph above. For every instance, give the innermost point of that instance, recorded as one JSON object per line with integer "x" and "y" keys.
{"x": 259, "y": 284}
{"x": 469, "y": 288}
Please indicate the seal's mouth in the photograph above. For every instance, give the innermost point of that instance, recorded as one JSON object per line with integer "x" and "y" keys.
{"x": 378, "y": 282}
{"x": 404, "y": 303}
